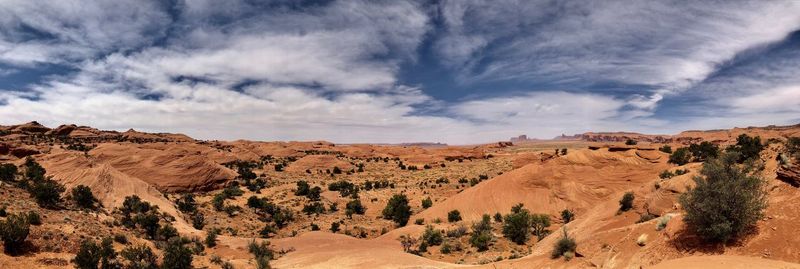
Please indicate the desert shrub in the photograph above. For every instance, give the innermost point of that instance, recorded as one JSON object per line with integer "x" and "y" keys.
{"x": 516, "y": 226}
{"x": 218, "y": 202}
{"x": 268, "y": 231}
{"x": 211, "y": 238}
{"x": 564, "y": 245}
{"x": 34, "y": 218}
{"x": 149, "y": 222}
{"x": 666, "y": 174}
{"x": 630, "y": 142}
{"x": 419, "y": 221}
{"x": 83, "y": 197}
{"x": 564, "y": 151}
{"x": 167, "y": 231}
{"x": 427, "y": 202}
{"x": 121, "y": 238}
{"x": 680, "y": 156}
{"x": 176, "y": 255}
{"x": 453, "y": 216}
{"x": 47, "y": 192}
{"x": 314, "y": 193}
{"x": 260, "y": 250}
{"x": 703, "y": 151}
{"x": 88, "y": 256}
{"x": 397, "y": 209}
{"x": 748, "y": 147}
{"x": 232, "y": 191}
{"x": 246, "y": 173}
{"x": 432, "y": 236}
{"x": 727, "y": 200}
{"x": 7, "y": 172}
{"x": 626, "y": 203}
{"x": 335, "y": 227}
{"x": 662, "y": 222}
{"x": 139, "y": 257}
{"x": 314, "y": 208}
{"x": 681, "y": 172}
{"x": 314, "y": 227}
{"x": 482, "y": 234}
{"x": 302, "y": 188}
{"x": 646, "y": 217}
{"x": 198, "y": 221}
{"x": 13, "y": 231}
{"x": 539, "y": 223}
{"x": 665, "y": 149}
{"x": 567, "y": 216}
{"x": 33, "y": 171}
{"x": 187, "y": 204}
{"x": 354, "y": 207}
{"x": 446, "y": 248}
{"x": 457, "y": 232}
{"x": 793, "y": 147}
{"x": 498, "y": 217}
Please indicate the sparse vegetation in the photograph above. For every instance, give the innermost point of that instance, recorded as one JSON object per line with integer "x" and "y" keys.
{"x": 680, "y": 156}
{"x": 567, "y": 216}
{"x": 482, "y": 234}
{"x": 427, "y": 202}
{"x": 83, "y": 197}
{"x": 516, "y": 226}
{"x": 563, "y": 246}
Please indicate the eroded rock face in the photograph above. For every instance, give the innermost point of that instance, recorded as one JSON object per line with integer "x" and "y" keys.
{"x": 790, "y": 174}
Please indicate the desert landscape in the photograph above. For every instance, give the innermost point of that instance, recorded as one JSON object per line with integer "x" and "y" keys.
{"x": 151, "y": 199}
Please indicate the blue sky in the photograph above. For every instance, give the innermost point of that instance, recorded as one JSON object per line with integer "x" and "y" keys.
{"x": 458, "y": 72}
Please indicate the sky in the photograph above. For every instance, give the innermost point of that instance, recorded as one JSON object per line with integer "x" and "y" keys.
{"x": 457, "y": 72}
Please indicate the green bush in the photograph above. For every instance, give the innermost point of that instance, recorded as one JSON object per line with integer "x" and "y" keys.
{"x": 665, "y": 149}
{"x": 432, "y": 236}
{"x": 139, "y": 257}
{"x": 211, "y": 238}
{"x": 704, "y": 151}
{"x": 626, "y": 203}
{"x": 176, "y": 255}
{"x": 262, "y": 253}
{"x": 88, "y": 256}
{"x": 13, "y": 231}
{"x": 198, "y": 221}
{"x": 33, "y": 171}
{"x": 314, "y": 208}
{"x": 747, "y": 147}
{"x": 681, "y": 156}
{"x": 47, "y": 192}
{"x": 564, "y": 245}
{"x": 427, "y": 202}
{"x": 498, "y": 217}
{"x": 516, "y": 226}
{"x": 302, "y": 188}
{"x": 630, "y": 142}
{"x": 567, "y": 216}
{"x": 187, "y": 204}
{"x": 482, "y": 234}
{"x": 666, "y": 174}
{"x": 83, "y": 197}
{"x": 539, "y": 223}
{"x": 8, "y": 172}
{"x": 34, "y": 218}
{"x": 354, "y": 207}
{"x": 453, "y": 216}
{"x": 397, "y": 209}
{"x": 727, "y": 200}
{"x": 166, "y": 232}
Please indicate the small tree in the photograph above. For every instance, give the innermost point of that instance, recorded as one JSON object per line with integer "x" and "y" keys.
{"x": 83, "y": 197}
{"x": 516, "y": 226}
{"x": 453, "y": 216}
{"x": 8, "y": 172}
{"x": 427, "y": 202}
{"x": 681, "y": 156}
{"x": 198, "y": 221}
{"x": 630, "y": 142}
{"x": 703, "y": 151}
{"x": 354, "y": 207}
{"x": 187, "y": 203}
{"x": 539, "y": 223}
{"x": 176, "y": 255}
{"x": 47, "y": 192}
{"x": 726, "y": 201}
{"x": 397, "y": 209}
{"x": 88, "y": 256}
{"x": 211, "y": 238}
{"x": 665, "y": 149}
{"x": 139, "y": 257}
{"x": 13, "y": 232}
{"x": 302, "y": 188}
{"x": 567, "y": 216}
{"x": 482, "y": 234}
{"x": 747, "y": 147}
{"x": 626, "y": 203}
{"x": 431, "y": 236}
